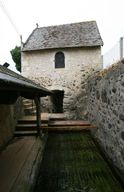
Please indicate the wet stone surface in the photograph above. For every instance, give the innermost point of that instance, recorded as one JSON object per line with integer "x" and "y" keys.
{"x": 72, "y": 163}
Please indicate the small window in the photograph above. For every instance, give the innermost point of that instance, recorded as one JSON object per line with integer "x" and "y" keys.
{"x": 59, "y": 60}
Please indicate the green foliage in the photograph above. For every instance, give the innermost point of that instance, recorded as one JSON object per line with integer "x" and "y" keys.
{"x": 16, "y": 56}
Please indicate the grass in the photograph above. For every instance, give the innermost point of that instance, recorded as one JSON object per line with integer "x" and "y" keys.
{"x": 72, "y": 163}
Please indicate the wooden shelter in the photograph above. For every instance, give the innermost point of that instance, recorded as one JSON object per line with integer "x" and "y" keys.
{"x": 13, "y": 85}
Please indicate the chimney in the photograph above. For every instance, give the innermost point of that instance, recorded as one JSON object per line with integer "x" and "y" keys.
{"x": 21, "y": 41}
{"x": 6, "y": 64}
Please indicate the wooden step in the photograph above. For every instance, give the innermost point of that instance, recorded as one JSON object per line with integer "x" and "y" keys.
{"x": 69, "y": 123}
{"x": 29, "y": 108}
{"x": 28, "y": 104}
{"x": 56, "y": 116}
{"x": 28, "y": 127}
{"x": 30, "y": 111}
{"x": 31, "y": 121}
{"x": 27, "y": 121}
{"x": 69, "y": 128}
{"x": 32, "y": 129}
{"x": 33, "y": 117}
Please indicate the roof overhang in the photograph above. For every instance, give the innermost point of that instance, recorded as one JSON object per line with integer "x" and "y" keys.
{"x": 12, "y": 87}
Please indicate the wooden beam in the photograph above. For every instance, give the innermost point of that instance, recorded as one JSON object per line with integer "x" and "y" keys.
{"x": 38, "y": 114}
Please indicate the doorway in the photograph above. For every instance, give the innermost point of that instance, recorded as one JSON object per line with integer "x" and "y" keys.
{"x": 57, "y": 101}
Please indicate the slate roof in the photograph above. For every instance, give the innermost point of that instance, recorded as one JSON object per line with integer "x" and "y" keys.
{"x": 9, "y": 80}
{"x": 83, "y": 34}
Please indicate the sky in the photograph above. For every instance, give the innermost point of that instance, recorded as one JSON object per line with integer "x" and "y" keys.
{"x": 19, "y": 17}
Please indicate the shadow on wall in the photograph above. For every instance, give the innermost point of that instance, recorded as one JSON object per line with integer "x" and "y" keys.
{"x": 9, "y": 115}
{"x": 57, "y": 101}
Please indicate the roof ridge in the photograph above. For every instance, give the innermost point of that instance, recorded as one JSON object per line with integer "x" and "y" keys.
{"x": 65, "y": 24}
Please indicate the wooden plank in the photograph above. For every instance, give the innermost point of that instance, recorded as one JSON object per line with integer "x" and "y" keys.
{"x": 69, "y": 128}
{"x": 20, "y": 122}
{"x": 44, "y": 117}
{"x": 68, "y": 123}
{"x": 12, "y": 160}
{"x": 56, "y": 116}
{"x": 30, "y": 125}
{"x": 28, "y": 174}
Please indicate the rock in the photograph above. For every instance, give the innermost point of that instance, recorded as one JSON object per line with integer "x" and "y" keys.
{"x": 121, "y": 116}
{"x": 122, "y": 135}
{"x": 104, "y": 96}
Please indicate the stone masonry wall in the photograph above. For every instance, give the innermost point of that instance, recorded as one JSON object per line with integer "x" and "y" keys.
{"x": 106, "y": 110}
{"x": 9, "y": 115}
{"x": 79, "y": 64}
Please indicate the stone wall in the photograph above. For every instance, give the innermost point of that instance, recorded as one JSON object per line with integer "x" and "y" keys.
{"x": 79, "y": 64}
{"x": 9, "y": 115}
{"x": 106, "y": 110}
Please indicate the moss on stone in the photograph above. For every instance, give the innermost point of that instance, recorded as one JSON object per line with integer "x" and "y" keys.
{"x": 72, "y": 163}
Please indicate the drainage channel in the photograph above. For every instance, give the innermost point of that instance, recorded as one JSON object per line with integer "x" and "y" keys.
{"x": 72, "y": 163}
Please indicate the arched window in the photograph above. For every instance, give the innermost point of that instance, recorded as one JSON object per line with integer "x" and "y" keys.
{"x": 59, "y": 60}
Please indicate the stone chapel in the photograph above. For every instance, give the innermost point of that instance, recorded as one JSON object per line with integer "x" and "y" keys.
{"x": 61, "y": 58}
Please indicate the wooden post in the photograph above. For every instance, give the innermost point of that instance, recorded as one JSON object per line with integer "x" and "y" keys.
{"x": 38, "y": 114}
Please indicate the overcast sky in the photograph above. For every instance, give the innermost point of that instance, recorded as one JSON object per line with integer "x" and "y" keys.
{"x": 24, "y": 14}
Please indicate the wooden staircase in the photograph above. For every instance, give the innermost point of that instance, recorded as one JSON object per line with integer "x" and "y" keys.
{"x": 29, "y": 107}
{"x": 69, "y": 125}
{"x": 50, "y": 122}
{"x": 27, "y": 126}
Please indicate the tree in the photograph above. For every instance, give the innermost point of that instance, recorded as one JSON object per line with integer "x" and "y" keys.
{"x": 16, "y": 56}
